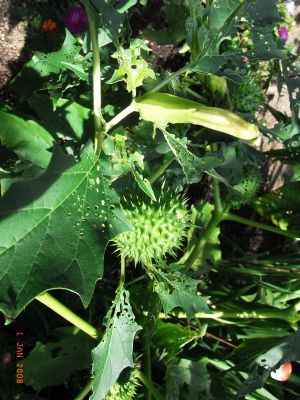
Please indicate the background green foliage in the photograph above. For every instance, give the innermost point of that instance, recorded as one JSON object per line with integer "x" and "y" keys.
{"x": 221, "y": 311}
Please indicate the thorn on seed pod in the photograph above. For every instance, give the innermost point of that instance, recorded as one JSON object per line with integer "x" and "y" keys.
{"x": 283, "y": 373}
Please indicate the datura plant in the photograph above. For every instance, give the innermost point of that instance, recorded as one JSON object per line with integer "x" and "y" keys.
{"x": 138, "y": 205}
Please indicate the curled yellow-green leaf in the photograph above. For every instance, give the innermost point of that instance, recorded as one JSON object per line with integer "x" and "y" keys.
{"x": 167, "y": 108}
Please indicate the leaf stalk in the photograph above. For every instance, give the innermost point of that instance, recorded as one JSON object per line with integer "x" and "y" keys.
{"x": 149, "y": 385}
{"x": 55, "y": 305}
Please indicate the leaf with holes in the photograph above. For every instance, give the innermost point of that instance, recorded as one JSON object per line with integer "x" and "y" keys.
{"x": 67, "y": 57}
{"x": 263, "y": 16}
{"x": 133, "y": 69}
{"x": 176, "y": 289}
{"x": 114, "y": 352}
{"x": 54, "y": 230}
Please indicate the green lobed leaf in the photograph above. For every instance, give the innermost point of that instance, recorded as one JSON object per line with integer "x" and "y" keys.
{"x": 190, "y": 163}
{"x": 176, "y": 289}
{"x": 133, "y": 69}
{"x": 28, "y": 139}
{"x": 54, "y": 230}
{"x": 114, "y": 353}
{"x": 52, "y": 363}
{"x": 77, "y": 69}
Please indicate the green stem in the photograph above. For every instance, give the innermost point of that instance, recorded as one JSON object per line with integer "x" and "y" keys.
{"x": 128, "y": 110}
{"x": 160, "y": 170}
{"x": 170, "y": 78}
{"x": 136, "y": 280}
{"x": 84, "y": 391}
{"x": 198, "y": 96}
{"x": 208, "y": 231}
{"x": 217, "y": 197}
{"x": 99, "y": 122}
{"x": 236, "y": 218}
{"x": 49, "y": 301}
{"x": 285, "y": 315}
{"x": 147, "y": 358}
{"x": 122, "y": 273}
{"x": 150, "y": 387}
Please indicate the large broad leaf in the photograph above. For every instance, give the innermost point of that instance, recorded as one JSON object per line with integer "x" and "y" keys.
{"x": 208, "y": 26}
{"x": 52, "y": 363}
{"x": 54, "y": 230}
{"x": 29, "y": 140}
{"x": 114, "y": 353}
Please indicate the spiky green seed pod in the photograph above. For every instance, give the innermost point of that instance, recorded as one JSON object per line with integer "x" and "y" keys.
{"x": 247, "y": 97}
{"x": 158, "y": 227}
{"x": 246, "y": 189}
{"x": 125, "y": 387}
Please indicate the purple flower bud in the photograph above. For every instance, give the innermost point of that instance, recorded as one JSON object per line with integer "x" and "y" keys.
{"x": 76, "y": 20}
{"x": 283, "y": 33}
